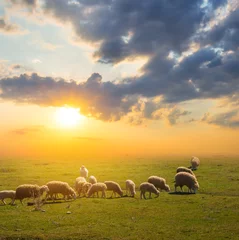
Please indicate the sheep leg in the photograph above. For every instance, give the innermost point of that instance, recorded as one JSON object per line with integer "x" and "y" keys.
{"x": 141, "y": 194}
{"x": 150, "y": 195}
{"x": 21, "y": 201}
{"x": 3, "y": 202}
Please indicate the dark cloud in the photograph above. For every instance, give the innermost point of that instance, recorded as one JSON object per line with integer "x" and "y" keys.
{"x": 28, "y": 3}
{"x": 228, "y": 119}
{"x": 8, "y": 28}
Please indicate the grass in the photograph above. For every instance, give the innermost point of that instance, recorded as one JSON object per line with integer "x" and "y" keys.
{"x": 212, "y": 213}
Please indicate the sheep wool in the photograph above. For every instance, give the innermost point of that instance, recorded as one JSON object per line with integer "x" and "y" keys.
{"x": 97, "y": 187}
{"x": 195, "y": 162}
{"x": 130, "y": 187}
{"x": 83, "y": 171}
{"x": 184, "y": 169}
{"x": 115, "y": 187}
{"x": 147, "y": 187}
{"x": 92, "y": 180}
{"x": 159, "y": 183}
{"x": 186, "y": 179}
{"x": 79, "y": 184}
{"x": 7, "y": 194}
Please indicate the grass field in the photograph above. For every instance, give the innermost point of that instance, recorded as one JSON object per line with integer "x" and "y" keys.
{"x": 212, "y": 213}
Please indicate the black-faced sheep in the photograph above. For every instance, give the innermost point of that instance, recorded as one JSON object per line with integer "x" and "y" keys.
{"x": 58, "y": 187}
{"x": 147, "y": 187}
{"x": 186, "y": 179}
{"x": 7, "y": 194}
{"x": 159, "y": 183}
{"x": 30, "y": 191}
{"x": 130, "y": 188}
{"x": 114, "y": 187}
{"x": 97, "y": 187}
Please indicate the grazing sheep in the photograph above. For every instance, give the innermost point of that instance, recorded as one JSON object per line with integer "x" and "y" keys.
{"x": 7, "y": 194}
{"x": 79, "y": 184}
{"x": 147, "y": 187}
{"x": 115, "y": 187}
{"x": 97, "y": 187}
{"x": 63, "y": 188}
{"x": 130, "y": 187}
{"x": 30, "y": 191}
{"x": 195, "y": 162}
{"x": 83, "y": 171}
{"x": 159, "y": 183}
{"x": 92, "y": 180}
{"x": 187, "y": 179}
{"x": 184, "y": 169}
{"x": 85, "y": 188}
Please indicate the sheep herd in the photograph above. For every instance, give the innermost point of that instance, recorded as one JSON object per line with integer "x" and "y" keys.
{"x": 184, "y": 177}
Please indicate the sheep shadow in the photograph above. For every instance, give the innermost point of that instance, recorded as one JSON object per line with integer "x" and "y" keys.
{"x": 181, "y": 193}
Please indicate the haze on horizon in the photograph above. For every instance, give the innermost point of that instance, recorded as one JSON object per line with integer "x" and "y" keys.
{"x": 86, "y": 78}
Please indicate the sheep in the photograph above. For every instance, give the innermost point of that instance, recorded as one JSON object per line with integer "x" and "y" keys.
{"x": 83, "y": 171}
{"x": 184, "y": 169}
{"x": 115, "y": 187}
{"x": 30, "y": 191}
{"x": 92, "y": 180}
{"x": 187, "y": 179}
{"x": 147, "y": 187}
{"x": 85, "y": 188}
{"x": 195, "y": 162}
{"x": 7, "y": 194}
{"x": 79, "y": 184}
{"x": 130, "y": 187}
{"x": 63, "y": 188}
{"x": 159, "y": 183}
{"x": 95, "y": 188}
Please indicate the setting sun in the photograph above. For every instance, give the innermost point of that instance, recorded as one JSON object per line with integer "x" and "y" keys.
{"x": 68, "y": 117}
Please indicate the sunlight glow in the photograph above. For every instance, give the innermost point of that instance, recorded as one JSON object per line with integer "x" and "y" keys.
{"x": 68, "y": 117}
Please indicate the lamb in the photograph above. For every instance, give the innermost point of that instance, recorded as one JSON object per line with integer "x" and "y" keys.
{"x": 63, "y": 188}
{"x": 187, "y": 179}
{"x": 92, "y": 180}
{"x": 184, "y": 169}
{"x": 83, "y": 171}
{"x": 115, "y": 187}
{"x": 159, "y": 183}
{"x": 97, "y": 187}
{"x": 147, "y": 187}
{"x": 79, "y": 184}
{"x": 130, "y": 187}
{"x": 85, "y": 188}
{"x": 30, "y": 191}
{"x": 7, "y": 194}
{"x": 195, "y": 162}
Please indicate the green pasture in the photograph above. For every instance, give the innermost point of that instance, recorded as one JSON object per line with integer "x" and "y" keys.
{"x": 212, "y": 213}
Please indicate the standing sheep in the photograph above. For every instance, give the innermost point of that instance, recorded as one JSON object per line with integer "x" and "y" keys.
{"x": 83, "y": 171}
{"x": 92, "y": 180}
{"x": 85, "y": 188}
{"x": 195, "y": 162}
{"x": 30, "y": 191}
{"x": 159, "y": 183}
{"x": 115, "y": 187}
{"x": 63, "y": 188}
{"x": 184, "y": 169}
{"x": 187, "y": 179}
{"x": 79, "y": 184}
{"x": 95, "y": 188}
{"x": 7, "y": 194}
{"x": 130, "y": 187}
{"x": 147, "y": 187}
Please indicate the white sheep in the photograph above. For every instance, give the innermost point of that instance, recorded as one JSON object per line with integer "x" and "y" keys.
{"x": 85, "y": 188}
{"x": 186, "y": 179}
{"x": 58, "y": 187}
{"x": 79, "y": 184}
{"x": 159, "y": 183}
{"x": 184, "y": 169}
{"x": 7, "y": 194}
{"x": 95, "y": 188}
{"x": 92, "y": 180}
{"x": 114, "y": 187}
{"x": 195, "y": 162}
{"x": 83, "y": 171}
{"x": 130, "y": 187}
{"x": 30, "y": 191}
{"x": 147, "y": 187}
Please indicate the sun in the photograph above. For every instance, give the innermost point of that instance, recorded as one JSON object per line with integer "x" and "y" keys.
{"x": 68, "y": 117}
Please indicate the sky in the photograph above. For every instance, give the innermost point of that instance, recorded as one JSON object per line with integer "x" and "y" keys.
{"x": 115, "y": 78}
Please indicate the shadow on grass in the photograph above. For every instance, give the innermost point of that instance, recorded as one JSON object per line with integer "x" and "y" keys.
{"x": 180, "y": 193}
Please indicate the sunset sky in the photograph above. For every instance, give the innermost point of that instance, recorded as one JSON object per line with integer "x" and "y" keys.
{"x": 105, "y": 78}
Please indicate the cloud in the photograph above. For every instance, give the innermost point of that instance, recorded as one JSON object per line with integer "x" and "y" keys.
{"x": 28, "y": 130}
{"x": 36, "y": 61}
{"x": 9, "y": 28}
